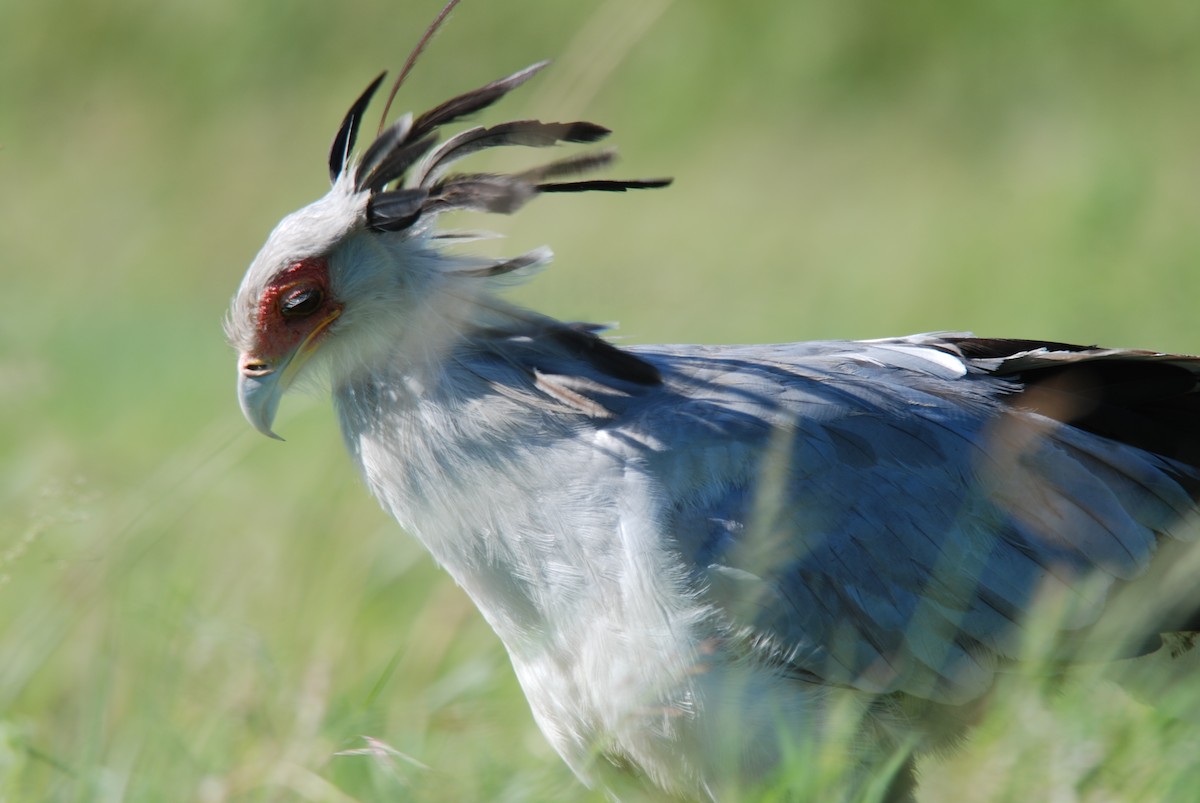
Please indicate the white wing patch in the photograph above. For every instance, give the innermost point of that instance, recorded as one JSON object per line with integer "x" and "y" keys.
{"x": 931, "y": 360}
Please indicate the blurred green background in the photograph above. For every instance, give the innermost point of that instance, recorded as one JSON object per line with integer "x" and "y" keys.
{"x": 189, "y": 611}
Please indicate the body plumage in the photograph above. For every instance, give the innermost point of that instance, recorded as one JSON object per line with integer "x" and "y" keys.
{"x": 692, "y": 552}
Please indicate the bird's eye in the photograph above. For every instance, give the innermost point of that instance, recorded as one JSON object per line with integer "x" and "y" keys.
{"x": 300, "y": 303}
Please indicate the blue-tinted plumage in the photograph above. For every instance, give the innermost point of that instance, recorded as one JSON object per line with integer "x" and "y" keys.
{"x": 693, "y": 553}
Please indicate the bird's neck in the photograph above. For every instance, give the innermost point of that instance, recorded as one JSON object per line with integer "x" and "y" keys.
{"x": 487, "y": 452}
{"x": 451, "y": 438}
{"x": 529, "y": 504}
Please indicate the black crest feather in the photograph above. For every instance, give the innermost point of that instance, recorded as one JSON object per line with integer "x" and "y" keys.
{"x": 395, "y": 162}
{"x": 480, "y": 192}
{"x": 501, "y": 267}
{"x": 388, "y": 140}
{"x": 343, "y": 141}
{"x": 603, "y": 185}
{"x": 396, "y": 210}
{"x": 529, "y": 133}
{"x": 399, "y": 148}
{"x": 476, "y": 100}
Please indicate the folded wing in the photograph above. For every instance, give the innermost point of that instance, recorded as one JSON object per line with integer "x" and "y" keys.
{"x": 884, "y": 515}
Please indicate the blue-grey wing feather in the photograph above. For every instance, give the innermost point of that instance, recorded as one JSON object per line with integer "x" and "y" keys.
{"x": 878, "y": 514}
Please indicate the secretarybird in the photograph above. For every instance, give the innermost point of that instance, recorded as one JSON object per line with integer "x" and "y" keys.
{"x": 690, "y": 552}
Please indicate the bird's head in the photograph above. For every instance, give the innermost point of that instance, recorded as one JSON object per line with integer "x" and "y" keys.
{"x": 359, "y": 269}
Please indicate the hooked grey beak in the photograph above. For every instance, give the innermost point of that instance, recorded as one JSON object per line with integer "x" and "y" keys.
{"x": 259, "y": 392}
{"x": 261, "y": 384}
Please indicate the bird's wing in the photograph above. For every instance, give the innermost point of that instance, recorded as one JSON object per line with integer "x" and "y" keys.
{"x": 884, "y": 514}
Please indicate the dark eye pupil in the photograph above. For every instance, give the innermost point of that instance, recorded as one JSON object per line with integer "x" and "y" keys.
{"x": 301, "y": 303}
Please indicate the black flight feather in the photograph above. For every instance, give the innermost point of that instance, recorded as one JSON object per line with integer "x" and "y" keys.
{"x": 1147, "y": 400}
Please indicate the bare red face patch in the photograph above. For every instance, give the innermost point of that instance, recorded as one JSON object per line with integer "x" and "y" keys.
{"x": 295, "y": 302}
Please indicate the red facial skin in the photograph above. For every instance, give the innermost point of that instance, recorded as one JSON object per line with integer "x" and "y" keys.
{"x": 279, "y": 334}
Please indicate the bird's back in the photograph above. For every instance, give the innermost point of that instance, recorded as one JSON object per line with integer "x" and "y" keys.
{"x": 885, "y": 514}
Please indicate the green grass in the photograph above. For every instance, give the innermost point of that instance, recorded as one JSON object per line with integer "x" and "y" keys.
{"x": 189, "y": 611}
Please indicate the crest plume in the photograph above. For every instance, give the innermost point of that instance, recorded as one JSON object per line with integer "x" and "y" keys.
{"x": 406, "y": 155}
{"x": 343, "y": 141}
{"x": 411, "y": 61}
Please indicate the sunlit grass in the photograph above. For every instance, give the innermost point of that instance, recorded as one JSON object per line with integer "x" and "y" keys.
{"x": 188, "y": 611}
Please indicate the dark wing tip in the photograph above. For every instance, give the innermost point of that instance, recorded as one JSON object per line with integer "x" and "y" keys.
{"x": 1143, "y": 399}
